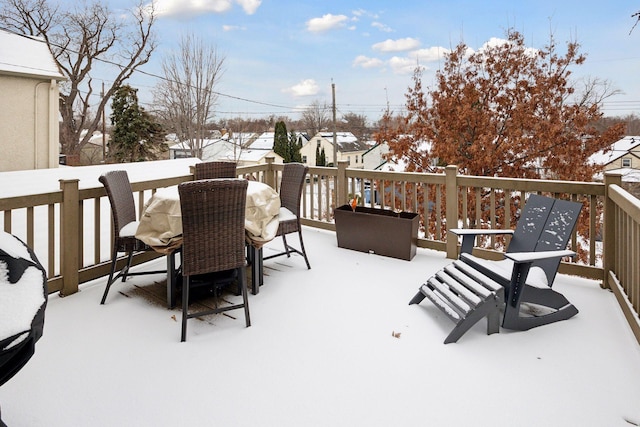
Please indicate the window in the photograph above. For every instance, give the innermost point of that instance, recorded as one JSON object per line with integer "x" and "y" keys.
{"x": 626, "y": 162}
{"x": 304, "y": 159}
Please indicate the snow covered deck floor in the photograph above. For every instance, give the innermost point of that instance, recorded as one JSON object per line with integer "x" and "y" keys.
{"x": 337, "y": 345}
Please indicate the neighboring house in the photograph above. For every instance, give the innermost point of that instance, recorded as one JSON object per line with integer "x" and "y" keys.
{"x": 348, "y": 148}
{"x": 29, "y": 112}
{"x": 374, "y": 158}
{"x": 251, "y": 157}
{"x": 237, "y": 147}
{"x": 94, "y": 151}
{"x": 265, "y": 140}
{"x": 624, "y": 154}
{"x": 624, "y": 158}
{"x": 212, "y": 149}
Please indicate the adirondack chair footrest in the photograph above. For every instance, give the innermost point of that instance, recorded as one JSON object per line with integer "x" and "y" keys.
{"x": 465, "y": 296}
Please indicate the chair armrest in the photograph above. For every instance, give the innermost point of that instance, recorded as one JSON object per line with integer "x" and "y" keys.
{"x": 479, "y": 231}
{"x": 469, "y": 236}
{"x": 524, "y": 257}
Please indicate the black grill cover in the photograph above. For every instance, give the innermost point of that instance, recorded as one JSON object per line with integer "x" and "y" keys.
{"x": 23, "y": 298}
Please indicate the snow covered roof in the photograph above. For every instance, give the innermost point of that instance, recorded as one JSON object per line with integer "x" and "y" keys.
{"x": 618, "y": 149}
{"x": 346, "y": 141}
{"x": 263, "y": 142}
{"x": 24, "y": 55}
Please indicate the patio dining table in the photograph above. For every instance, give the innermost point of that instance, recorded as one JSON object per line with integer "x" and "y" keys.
{"x": 161, "y": 228}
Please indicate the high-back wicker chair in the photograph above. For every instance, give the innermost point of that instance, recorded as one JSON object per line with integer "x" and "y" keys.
{"x": 212, "y": 170}
{"x": 125, "y": 224}
{"x": 213, "y": 213}
{"x": 291, "y": 186}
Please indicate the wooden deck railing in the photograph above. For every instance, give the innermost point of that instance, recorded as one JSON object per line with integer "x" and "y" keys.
{"x": 70, "y": 229}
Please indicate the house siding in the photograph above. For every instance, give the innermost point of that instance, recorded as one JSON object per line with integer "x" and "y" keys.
{"x": 28, "y": 123}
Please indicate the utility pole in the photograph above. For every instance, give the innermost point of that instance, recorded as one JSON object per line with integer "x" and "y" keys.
{"x": 335, "y": 137}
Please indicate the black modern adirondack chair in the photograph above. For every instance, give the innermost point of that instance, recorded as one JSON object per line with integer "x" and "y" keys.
{"x": 527, "y": 273}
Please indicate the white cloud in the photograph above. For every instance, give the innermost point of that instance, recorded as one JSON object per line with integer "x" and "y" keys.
{"x": 496, "y": 41}
{"x": 366, "y": 62}
{"x": 307, "y": 87}
{"x": 233, "y": 28}
{"x": 402, "y": 65}
{"x": 327, "y": 22}
{"x": 398, "y": 45}
{"x": 431, "y": 54}
{"x": 200, "y": 7}
{"x": 382, "y": 27}
{"x": 358, "y": 13}
{"x": 249, "y": 6}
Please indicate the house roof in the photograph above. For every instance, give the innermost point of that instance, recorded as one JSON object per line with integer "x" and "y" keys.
{"x": 346, "y": 141}
{"x": 265, "y": 140}
{"x": 27, "y": 56}
{"x": 618, "y": 149}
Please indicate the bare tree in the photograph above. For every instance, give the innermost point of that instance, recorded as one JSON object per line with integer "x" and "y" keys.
{"x": 356, "y": 124}
{"x": 316, "y": 117}
{"x": 80, "y": 39}
{"x": 187, "y": 97}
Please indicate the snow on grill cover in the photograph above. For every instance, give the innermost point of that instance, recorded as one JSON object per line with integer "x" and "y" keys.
{"x": 23, "y": 298}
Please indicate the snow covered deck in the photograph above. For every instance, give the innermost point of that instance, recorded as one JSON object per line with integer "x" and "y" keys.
{"x": 337, "y": 345}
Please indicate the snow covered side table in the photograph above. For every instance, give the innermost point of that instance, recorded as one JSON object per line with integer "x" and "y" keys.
{"x": 23, "y": 298}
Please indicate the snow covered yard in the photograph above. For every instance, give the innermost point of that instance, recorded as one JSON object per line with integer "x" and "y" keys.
{"x": 337, "y": 345}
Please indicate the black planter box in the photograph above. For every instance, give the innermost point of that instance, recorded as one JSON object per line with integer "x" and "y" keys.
{"x": 379, "y": 231}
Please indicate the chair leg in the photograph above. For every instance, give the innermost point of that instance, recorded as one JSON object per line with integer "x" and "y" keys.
{"x": 185, "y": 307}
{"x": 417, "y": 299}
{"x": 304, "y": 252}
{"x": 125, "y": 270}
{"x": 256, "y": 269}
{"x": 114, "y": 259}
{"x": 286, "y": 246}
{"x": 544, "y": 297}
{"x": 242, "y": 280}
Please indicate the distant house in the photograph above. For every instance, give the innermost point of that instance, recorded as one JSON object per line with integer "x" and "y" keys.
{"x": 94, "y": 151}
{"x": 244, "y": 148}
{"x": 260, "y": 148}
{"x": 623, "y": 158}
{"x": 374, "y": 157}
{"x": 265, "y": 140}
{"x": 29, "y": 112}
{"x": 348, "y": 148}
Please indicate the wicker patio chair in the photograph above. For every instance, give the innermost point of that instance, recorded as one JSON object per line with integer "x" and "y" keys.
{"x": 212, "y": 170}
{"x": 125, "y": 224}
{"x": 293, "y": 177}
{"x": 213, "y": 213}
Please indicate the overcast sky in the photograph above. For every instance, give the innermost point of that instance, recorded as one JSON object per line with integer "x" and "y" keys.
{"x": 284, "y": 54}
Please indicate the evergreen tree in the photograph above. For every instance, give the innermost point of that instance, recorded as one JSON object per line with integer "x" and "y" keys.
{"x": 321, "y": 159}
{"x": 280, "y": 142}
{"x": 136, "y": 135}
{"x": 294, "y": 148}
